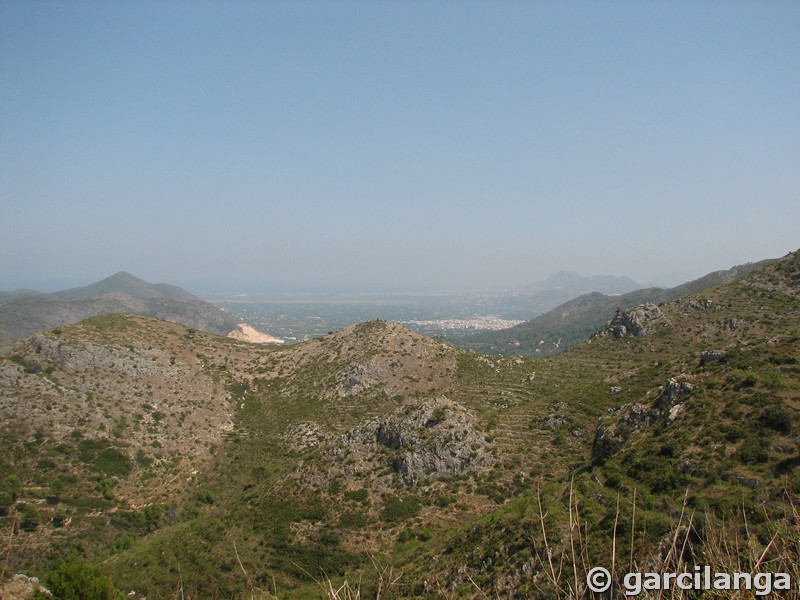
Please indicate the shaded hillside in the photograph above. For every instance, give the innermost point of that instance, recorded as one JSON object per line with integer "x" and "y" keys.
{"x": 559, "y": 329}
{"x": 23, "y": 313}
{"x": 199, "y": 466}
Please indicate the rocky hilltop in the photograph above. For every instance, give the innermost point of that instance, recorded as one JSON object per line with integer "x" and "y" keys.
{"x": 382, "y": 463}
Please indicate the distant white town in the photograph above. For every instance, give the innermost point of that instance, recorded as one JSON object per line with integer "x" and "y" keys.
{"x": 486, "y": 323}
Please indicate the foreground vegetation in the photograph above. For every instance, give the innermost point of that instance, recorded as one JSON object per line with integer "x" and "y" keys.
{"x": 637, "y": 453}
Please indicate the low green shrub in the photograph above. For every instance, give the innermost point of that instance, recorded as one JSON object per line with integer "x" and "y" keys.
{"x": 397, "y": 509}
{"x": 79, "y": 581}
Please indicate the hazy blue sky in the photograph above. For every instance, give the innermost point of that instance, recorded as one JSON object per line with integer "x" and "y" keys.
{"x": 426, "y": 145}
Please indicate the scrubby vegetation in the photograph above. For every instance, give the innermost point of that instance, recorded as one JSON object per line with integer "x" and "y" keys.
{"x": 660, "y": 452}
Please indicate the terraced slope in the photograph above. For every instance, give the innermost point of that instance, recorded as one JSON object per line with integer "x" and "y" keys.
{"x": 195, "y": 465}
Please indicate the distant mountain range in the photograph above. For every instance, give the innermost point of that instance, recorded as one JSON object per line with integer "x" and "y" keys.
{"x": 562, "y": 309}
{"x": 377, "y": 463}
{"x": 576, "y": 319}
{"x": 24, "y": 312}
{"x": 531, "y": 300}
{"x": 572, "y": 283}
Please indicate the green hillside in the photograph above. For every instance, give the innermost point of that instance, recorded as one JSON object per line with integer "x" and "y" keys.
{"x": 396, "y": 466}
{"x": 557, "y": 330}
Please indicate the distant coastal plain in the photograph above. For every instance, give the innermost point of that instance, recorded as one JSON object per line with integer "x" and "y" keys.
{"x": 300, "y": 317}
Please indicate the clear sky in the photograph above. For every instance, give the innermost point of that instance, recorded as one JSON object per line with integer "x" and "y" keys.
{"x": 394, "y": 145}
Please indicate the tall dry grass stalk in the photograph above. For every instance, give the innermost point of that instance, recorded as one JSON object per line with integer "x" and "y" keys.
{"x": 724, "y": 547}
{"x": 385, "y": 581}
{"x": 13, "y": 516}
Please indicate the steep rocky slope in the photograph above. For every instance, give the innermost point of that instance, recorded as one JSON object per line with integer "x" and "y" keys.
{"x": 218, "y": 468}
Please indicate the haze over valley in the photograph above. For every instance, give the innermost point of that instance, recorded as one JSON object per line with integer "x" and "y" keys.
{"x": 394, "y": 300}
{"x": 142, "y": 448}
{"x": 303, "y": 316}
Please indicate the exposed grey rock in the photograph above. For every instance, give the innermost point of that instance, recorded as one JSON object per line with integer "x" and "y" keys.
{"x": 81, "y": 357}
{"x": 636, "y": 322}
{"x": 357, "y": 378}
{"x": 555, "y": 422}
{"x": 557, "y": 416}
{"x": 734, "y": 324}
{"x": 709, "y": 356}
{"x": 431, "y": 439}
{"x": 675, "y": 412}
{"x": 700, "y": 304}
{"x": 606, "y": 443}
{"x": 613, "y": 432}
{"x": 639, "y": 415}
{"x": 670, "y": 393}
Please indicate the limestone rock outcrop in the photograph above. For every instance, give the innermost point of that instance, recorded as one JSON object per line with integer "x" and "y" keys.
{"x": 612, "y": 433}
{"x": 636, "y": 322}
{"x": 425, "y": 440}
{"x": 358, "y": 377}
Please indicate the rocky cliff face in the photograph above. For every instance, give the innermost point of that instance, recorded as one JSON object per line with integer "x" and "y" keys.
{"x": 636, "y": 322}
{"x": 374, "y": 441}
{"x": 421, "y": 441}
